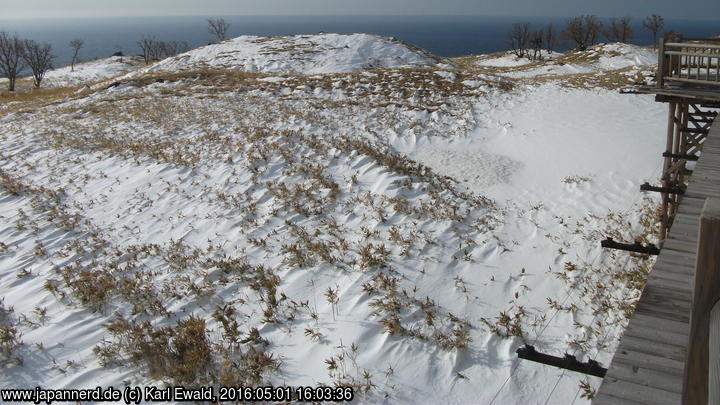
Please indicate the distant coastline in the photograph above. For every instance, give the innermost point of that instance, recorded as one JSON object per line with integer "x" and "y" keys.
{"x": 442, "y": 35}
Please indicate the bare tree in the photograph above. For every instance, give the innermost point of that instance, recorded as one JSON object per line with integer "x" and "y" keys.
{"x": 518, "y": 38}
{"x": 550, "y": 38}
{"x": 218, "y": 27}
{"x": 75, "y": 44}
{"x": 38, "y": 58}
{"x": 619, "y": 30}
{"x": 151, "y": 49}
{"x": 173, "y": 48}
{"x": 536, "y": 42}
{"x": 11, "y": 60}
{"x": 654, "y": 23}
{"x": 583, "y": 30}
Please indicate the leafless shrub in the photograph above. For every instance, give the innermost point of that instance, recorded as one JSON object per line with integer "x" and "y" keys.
{"x": 151, "y": 49}
{"x": 172, "y": 48}
{"x": 582, "y": 30}
{"x": 550, "y": 38}
{"x": 654, "y": 23}
{"x": 536, "y": 42}
{"x": 518, "y": 38}
{"x": 619, "y": 30}
{"x": 218, "y": 27}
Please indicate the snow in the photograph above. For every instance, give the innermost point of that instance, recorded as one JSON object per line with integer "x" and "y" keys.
{"x": 91, "y": 71}
{"x": 617, "y": 56}
{"x": 526, "y": 143}
{"x": 506, "y": 59}
{"x": 598, "y": 58}
{"x": 200, "y": 192}
{"x": 309, "y": 54}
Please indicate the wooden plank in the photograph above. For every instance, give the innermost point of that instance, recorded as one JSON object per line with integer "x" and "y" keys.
{"x": 671, "y": 261}
{"x": 634, "y": 344}
{"x": 680, "y": 286}
{"x": 648, "y": 377}
{"x": 680, "y": 245}
{"x": 639, "y": 393}
{"x": 604, "y": 398}
{"x": 659, "y": 291}
{"x": 657, "y": 333}
{"x": 683, "y": 229}
{"x": 669, "y": 270}
{"x": 665, "y": 365}
{"x": 665, "y": 312}
{"x": 652, "y": 322}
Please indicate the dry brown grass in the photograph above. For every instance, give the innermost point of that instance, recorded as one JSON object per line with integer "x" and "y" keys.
{"x": 180, "y": 354}
{"x": 28, "y": 101}
{"x": 10, "y": 337}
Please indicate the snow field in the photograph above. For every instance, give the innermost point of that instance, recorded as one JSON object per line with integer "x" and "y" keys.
{"x": 403, "y": 229}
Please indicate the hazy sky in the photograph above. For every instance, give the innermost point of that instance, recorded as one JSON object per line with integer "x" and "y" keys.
{"x": 674, "y": 9}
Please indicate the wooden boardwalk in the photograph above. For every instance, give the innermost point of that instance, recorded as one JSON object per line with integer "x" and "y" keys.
{"x": 650, "y": 360}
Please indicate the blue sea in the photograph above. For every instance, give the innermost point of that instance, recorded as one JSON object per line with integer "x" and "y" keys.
{"x": 442, "y": 35}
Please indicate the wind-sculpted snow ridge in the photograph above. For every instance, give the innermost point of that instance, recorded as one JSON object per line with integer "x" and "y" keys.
{"x": 386, "y": 222}
{"x": 317, "y": 53}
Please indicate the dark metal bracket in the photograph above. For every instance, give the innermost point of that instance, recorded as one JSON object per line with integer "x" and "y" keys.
{"x": 683, "y": 157}
{"x": 568, "y": 362}
{"x": 636, "y": 247}
{"x": 669, "y": 190}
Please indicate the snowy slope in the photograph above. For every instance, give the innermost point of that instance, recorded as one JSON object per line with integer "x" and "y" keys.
{"x": 598, "y": 58}
{"x": 403, "y": 230}
{"x": 91, "y": 71}
{"x": 319, "y": 53}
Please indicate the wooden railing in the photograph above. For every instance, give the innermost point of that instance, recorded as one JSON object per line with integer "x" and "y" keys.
{"x": 691, "y": 61}
{"x": 702, "y": 368}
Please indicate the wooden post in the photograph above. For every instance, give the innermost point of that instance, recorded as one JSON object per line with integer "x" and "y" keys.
{"x": 661, "y": 63}
{"x": 705, "y": 295}
{"x": 664, "y": 220}
{"x": 714, "y": 358}
{"x": 682, "y": 149}
{"x": 674, "y": 170}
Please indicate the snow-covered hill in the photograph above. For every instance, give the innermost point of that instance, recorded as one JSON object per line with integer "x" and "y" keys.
{"x": 326, "y": 209}
{"x": 310, "y": 54}
{"x": 628, "y": 59}
{"x": 91, "y": 71}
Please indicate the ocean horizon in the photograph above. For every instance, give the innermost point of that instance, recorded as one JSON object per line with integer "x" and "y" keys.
{"x": 443, "y": 35}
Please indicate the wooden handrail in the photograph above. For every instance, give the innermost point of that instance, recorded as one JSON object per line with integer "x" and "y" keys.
{"x": 684, "y": 62}
{"x": 687, "y": 53}
{"x": 662, "y": 64}
{"x": 691, "y": 45}
{"x": 705, "y": 296}
{"x": 714, "y": 356}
